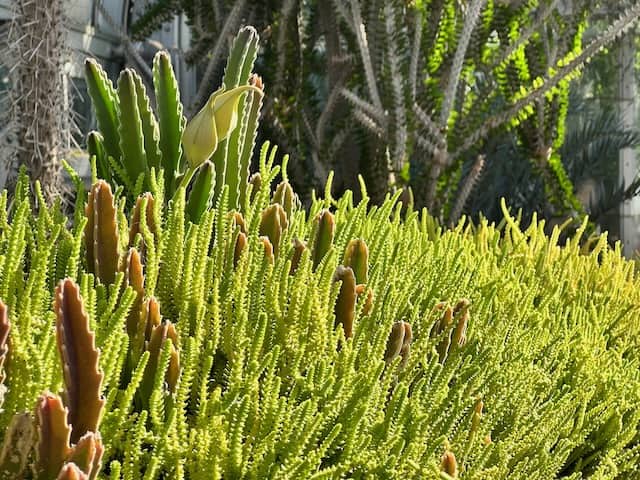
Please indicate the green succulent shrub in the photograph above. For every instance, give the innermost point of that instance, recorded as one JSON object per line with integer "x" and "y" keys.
{"x": 264, "y": 340}
{"x": 246, "y": 346}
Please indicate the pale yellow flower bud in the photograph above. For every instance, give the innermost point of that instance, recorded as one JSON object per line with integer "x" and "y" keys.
{"x": 212, "y": 124}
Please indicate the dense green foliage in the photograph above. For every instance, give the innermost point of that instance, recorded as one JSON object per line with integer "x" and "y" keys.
{"x": 545, "y": 384}
{"x": 416, "y": 93}
{"x": 258, "y": 339}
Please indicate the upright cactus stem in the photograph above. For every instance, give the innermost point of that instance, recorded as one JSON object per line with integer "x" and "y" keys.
{"x": 325, "y": 231}
{"x": 5, "y": 328}
{"x": 268, "y": 249}
{"x": 54, "y": 434}
{"x": 71, "y": 472}
{"x": 241, "y": 244}
{"x": 285, "y": 197}
{"x": 255, "y": 183}
{"x": 160, "y": 334}
{"x": 101, "y": 233}
{"x": 356, "y": 256}
{"x": 272, "y": 225}
{"x": 146, "y": 202}
{"x": 80, "y": 360}
{"x": 449, "y": 464}
{"x": 345, "y": 307}
{"x": 299, "y": 248}
{"x": 399, "y": 342}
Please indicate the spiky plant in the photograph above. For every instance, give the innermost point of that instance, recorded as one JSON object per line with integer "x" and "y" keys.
{"x": 483, "y": 352}
{"x": 410, "y": 91}
{"x": 39, "y": 117}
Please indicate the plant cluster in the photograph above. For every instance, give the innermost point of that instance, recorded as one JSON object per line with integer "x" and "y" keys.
{"x": 412, "y": 93}
{"x": 263, "y": 340}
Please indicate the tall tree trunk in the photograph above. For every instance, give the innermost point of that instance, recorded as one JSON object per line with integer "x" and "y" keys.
{"x": 39, "y": 103}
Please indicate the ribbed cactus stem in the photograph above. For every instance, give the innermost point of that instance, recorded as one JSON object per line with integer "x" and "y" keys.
{"x": 165, "y": 332}
{"x": 268, "y": 249}
{"x": 368, "y": 303}
{"x": 19, "y": 439}
{"x": 256, "y": 184}
{"x": 237, "y": 220}
{"x": 71, "y": 472}
{"x": 325, "y": 231}
{"x": 101, "y": 233}
{"x": 87, "y": 454}
{"x": 273, "y": 222}
{"x": 449, "y": 464}
{"x": 54, "y": 434}
{"x": 346, "y": 303}
{"x": 285, "y": 197}
{"x": 395, "y": 342}
{"x": 240, "y": 246}
{"x": 299, "y": 248}
{"x": 146, "y": 202}
{"x": 80, "y": 360}
{"x": 5, "y": 328}
{"x": 356, "y": 256}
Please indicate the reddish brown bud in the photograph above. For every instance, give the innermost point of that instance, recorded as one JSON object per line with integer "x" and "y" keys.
{"x": 325, "y": 230}
{"x": 298, "y": 249}
{"x": 53, "y": 435}
{"x": 146, "y": 200}
{"x": 237, "y": 220}
{"x": 256, "y": 184}
{"x": 285, "y": 197}
{"x": 346, "y": 303}
{"x": 273, "y": 222}
{"x": 449, "y": 465}
{"x": 101, "y": 233}
{"x": 356, "y": 256}
{"x": 241, "y": 244}
{"x": 80, "y": 360}
{"x": 395, "y": 341}
{"x": 268, "y": 249}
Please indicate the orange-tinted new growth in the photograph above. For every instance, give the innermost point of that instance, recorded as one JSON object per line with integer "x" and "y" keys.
{"x": 394, "y": 342}
{"x": 256, "y": 184}
{"x": 159, "y": 336}
{"x": 285, "y": 197}
{"x": 325, "y": 231}
{"x": 54, "y": 434}
{"x": 356, "y": 256}
{"x": 71, "y": 472}
{"x": 346, "y": 303}
{"x": 101, "y": 233}
{"x": 80, "y": 360}
{"x": 87, "y": 454}
{"x": 148, "y": 200}
{"x": 273, "y": 222}
{"x": 268, "y": 249}
{"x": 237, "y": 220}
{"x": 448, "y": 464}
{"x": 241, "y": 244}
{"x": 298, "y": 249}
{"x": 368, "y": 304}
{"x": 5, "y": 328}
